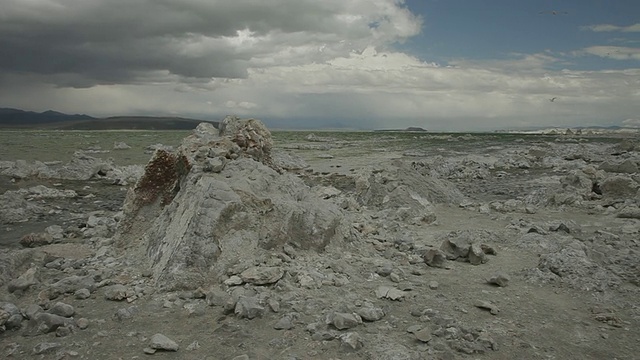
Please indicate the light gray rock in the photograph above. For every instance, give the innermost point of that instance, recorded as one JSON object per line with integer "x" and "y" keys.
{"x": 46, "y": 323}
{"x": 82, "y": 294}
{"x": 62, "y": 309}
{"x": 476, "y": 255}
{"x": 350, "y": 341}
{"x": 368, "y": 312}
{"x": 161, "y": 342}
{"x": 262, "y": 275}
{"x": 344, "y": 321}
{"x": 73, "y": 283}
{"x": 116, "y": 292}
{"x": 486, "y": 305}
{"x": 389, "y": 292}
{"x": 435, "y": 258}
{"x": 248, "y": 307}
{"x": 500, "y": 279}
{"x": 46, "y": 348}
{"x": 24, "y": 281}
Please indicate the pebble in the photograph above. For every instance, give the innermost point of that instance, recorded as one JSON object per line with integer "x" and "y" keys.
{"x": 161, "y": 342}
{"x": 500, "y": 279}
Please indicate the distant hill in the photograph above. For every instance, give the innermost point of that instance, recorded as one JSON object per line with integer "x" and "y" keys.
{"x": 53, "y": 120}
{"x": 20, "y": 118}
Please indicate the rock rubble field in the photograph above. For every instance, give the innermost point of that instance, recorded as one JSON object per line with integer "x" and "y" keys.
{"x": 232, "y": 246}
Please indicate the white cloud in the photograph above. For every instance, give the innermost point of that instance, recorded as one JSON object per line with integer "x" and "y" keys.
{"x": 312, "y": 62}
{"x": 609, "y": 28}
{"x": 613, "y": 52}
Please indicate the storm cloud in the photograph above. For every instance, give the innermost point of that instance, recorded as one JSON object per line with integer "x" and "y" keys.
{"x": 81, "y": 43}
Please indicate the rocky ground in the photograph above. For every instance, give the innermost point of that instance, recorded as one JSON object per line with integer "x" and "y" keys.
{"x": 236, "y": 247}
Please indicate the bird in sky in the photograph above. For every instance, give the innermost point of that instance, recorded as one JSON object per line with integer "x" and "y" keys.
{"x": 553, "y": 99}
{"x": 553, "y": 12}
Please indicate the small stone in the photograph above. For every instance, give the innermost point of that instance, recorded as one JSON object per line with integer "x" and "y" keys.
{"x": 161, "y": 342}
{"x": 82, "y": 323}
{"x": 423, "y": 334}
{"x": 149, "y": 351}
{"x": 344, "y": 321}
{"x": 500, "y": 279}
{"x": 476, "y": 255}
{"x": 248, "y": 307}
{"x": 233, "y": 280}
{"x": 351, "y": 341}
{"x": 487, "y": 306}
{"x": 62, "y": 309}
{"x": 370, "y": 313}
{"x": 262, "y": 275}
{"x": 433, "y": 285}
{"x": 284, "y": 323}
{"x": 193, "y": 346}
{"x": 116, "y": 292}
{"x": 435, "y": 258}
{"x": 394, "y": 277}
{"x": 63, "y": 331}
{"x": 82, "y": 294}
{"x": 45, "y": 348}
{"x": 389, "y": 293}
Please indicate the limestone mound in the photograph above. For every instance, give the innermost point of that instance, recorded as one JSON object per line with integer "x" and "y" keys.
{"x": 190, "y": 222}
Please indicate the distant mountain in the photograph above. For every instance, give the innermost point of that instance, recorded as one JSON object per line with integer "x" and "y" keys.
{"x": 20, "y": 118}
{"x": 53, "y": 120}
{"x": 135, "y": 123}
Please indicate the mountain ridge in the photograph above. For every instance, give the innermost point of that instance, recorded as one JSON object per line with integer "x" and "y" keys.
{"x": 11, "y": 118}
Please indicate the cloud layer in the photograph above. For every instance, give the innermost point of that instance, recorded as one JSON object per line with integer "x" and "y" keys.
{"x": 297, "y": 63}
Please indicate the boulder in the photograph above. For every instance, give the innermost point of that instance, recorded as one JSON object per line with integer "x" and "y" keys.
{"x": 192, "y": 224}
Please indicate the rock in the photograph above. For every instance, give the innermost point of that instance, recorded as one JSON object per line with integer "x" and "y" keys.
{"x": 424, "y": 334}
{"x": 500, "y": 279}
{"x": 116, "y": 292}
{"x": 46, "y": 323}
{"x": 24, "y": 281}
{"x": 390, "y": 293}
{"x": 626, "y": 166}
{"x": 45, "y": 348}
{"x": 262, "y": 275}
{"x": 285, "y": 323}
{"x": 433, "y": 285}
{"x": 233, "y": 280}
{"x": 250, "y": 205}
{"x": 476, "y": 255}
{"x": 82, "y": 323}
{"x": 31, "y": 311}
{"x": 72, "y": 283}
{"x": 62, "y": 309}
{"x": 619, "y": 186}
{"x": 435, "y": 258}
{"x": 248, "y": 307}
{"x": 14, "y": 322}
{"x": 36, "y": 239}
{"x": 350, "y": 341}
{"x": 193, "y": 346}
{"x": 456, "y": 247}
{"x": 126, "y": 313}
{"x": 344, "y": 321}
{"x": 370, "y": 313}
{"x": 82, "y": 294}
{"x": 161, "y": 342}
{"x": 487, "y": 306}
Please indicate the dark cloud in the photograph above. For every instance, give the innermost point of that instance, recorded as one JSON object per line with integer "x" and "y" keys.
{"x": 85, "y": 42}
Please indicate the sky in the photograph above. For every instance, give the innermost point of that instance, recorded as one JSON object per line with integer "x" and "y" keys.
{"x": 444, "y": 65}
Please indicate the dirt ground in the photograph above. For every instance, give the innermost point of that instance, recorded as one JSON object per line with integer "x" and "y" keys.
{"x": 536, "y": 319}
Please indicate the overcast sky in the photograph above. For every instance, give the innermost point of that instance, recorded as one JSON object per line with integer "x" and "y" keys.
{"x": 460, "y": 65}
